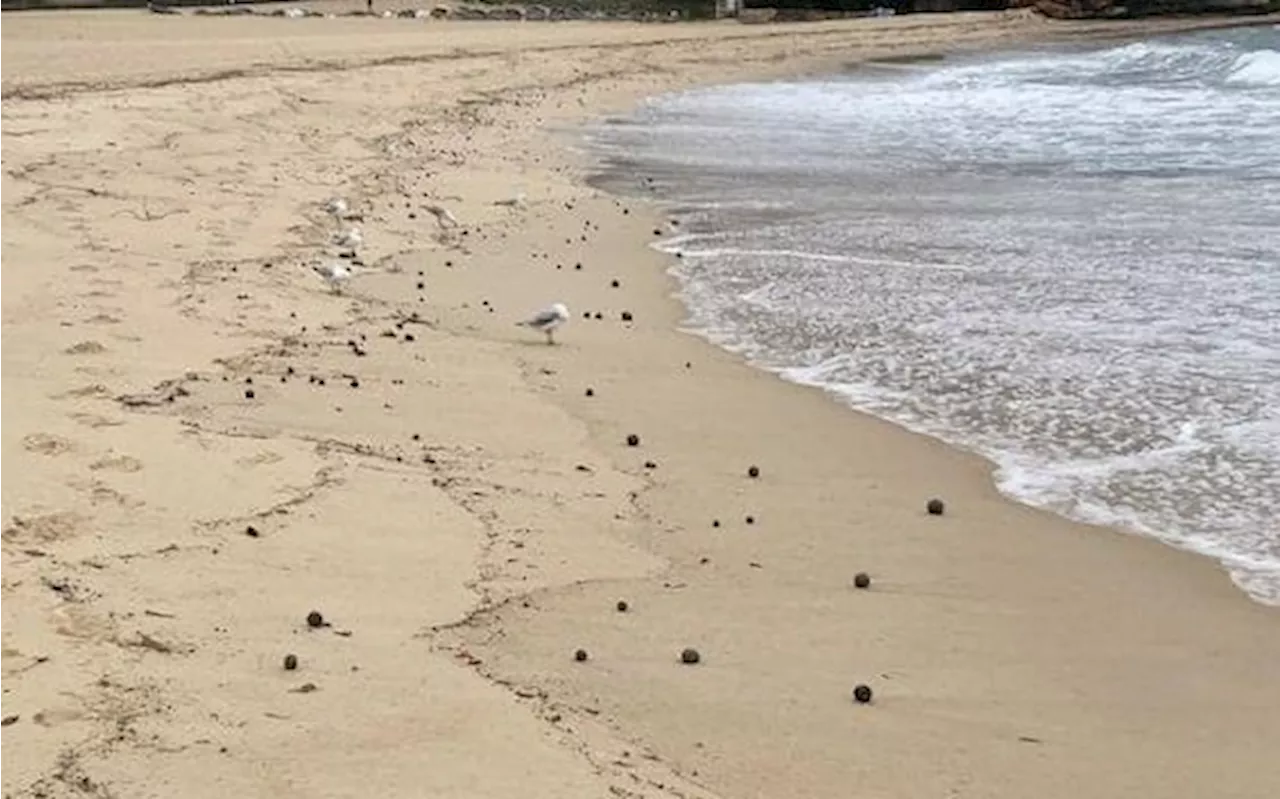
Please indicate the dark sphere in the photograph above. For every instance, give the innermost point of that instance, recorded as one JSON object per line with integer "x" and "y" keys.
{"x": 248, "y": 393}
{"x": 633, "y": 440}
{"x": 751, "y": 520}
{"x": 862, "y": 694}
{"x": 615, "y": 284}
{"x": 622, "y": 606}
{"x": 626, "y": 316}
{"x": 580, "y": 655}
{"x": 715, "y": 522}
{"x": 754, "y": 471}
{"x": 862, "y": 580}
{"x": 935, "y": 507}
{"x": 591, "y": 392}
{"x": 690, "y": 656}
{"x": 314, "y": 619}
{"x": 290, "y": 662}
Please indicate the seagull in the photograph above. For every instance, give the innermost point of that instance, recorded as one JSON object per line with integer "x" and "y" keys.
{"x": 548, "y": 320}
{"x": 350, "y": 238}
{"x": 335, "y": 274}
{"x": 338, "y": 207}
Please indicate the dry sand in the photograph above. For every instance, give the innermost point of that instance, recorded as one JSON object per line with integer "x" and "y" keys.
{"x": 463, "y": 515}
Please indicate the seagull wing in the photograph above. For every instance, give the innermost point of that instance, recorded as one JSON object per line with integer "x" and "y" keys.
{"x": 543, "y": 318}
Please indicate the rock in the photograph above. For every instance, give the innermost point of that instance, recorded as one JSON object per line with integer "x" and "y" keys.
{"x": 633, "y": 440}
{"x": 591, "y": 392}
{"x": 690, "y": 656}
{"x": 862, "y": 580}
{"x": 315, "y": 619}
{"x": 615, "y": 284}
{"x": 290, "y": 662}
{"x": 248, "y": 393}
{"x": 751, "y": 520}
{"x": 441, "y": 12}
{"x": 626, "y": 316}
{"x": 251, "y": 531}
{"x": 622, "y": 606}
{"x": 862, "y": 694}
{"x": 754, "y": 471}
{"x": 935, "y": 507}
{"x": 581, "y": 655}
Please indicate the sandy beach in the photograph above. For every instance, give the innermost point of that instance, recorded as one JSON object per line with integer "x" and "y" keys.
{"x": 202, "y": 445}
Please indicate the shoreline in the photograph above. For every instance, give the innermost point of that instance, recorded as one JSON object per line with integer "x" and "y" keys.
{"x": 493, "y": 545}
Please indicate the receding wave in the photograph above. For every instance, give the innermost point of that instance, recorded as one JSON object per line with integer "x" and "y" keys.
{"x": 1066, "y": 260}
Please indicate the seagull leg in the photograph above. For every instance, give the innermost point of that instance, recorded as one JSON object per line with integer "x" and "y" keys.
{"x": 551, "y": 336}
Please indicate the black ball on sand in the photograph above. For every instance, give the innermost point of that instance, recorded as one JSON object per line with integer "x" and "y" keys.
{"x": 862, "y": 694}
{"x": 622, "y": 606}
{"x": 314, "y": 619}
{"x": 862, "y": 580}
{"x": 751, "y": 520}
{"x": 626, "y": 316}
{"x": 633, "y": 440}
{"x": 614, "y": 284}
{"x": 290, "y": 662}
{"x": 580, "y": 656}
{"x": 935, "y": 507}
{"x": 754, "y": 471}
{"x": 690, "y": 656}
{"x": 248, "y": 393}
{"x": 715, "y": 522}
{"x": 591, "y": 392}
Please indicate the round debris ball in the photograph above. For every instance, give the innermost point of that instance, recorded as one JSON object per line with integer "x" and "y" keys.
{"x": 591, "y": 392}
{"x": 290, "y": 662}
{"x": 862, "y": 694}
{"x": 862, "y": 580}
{"x": 248, "y": 393}
{"x": 626, "y": 316}
{"x": 633, "y": 440}
{"x": 622, "y": 606}
{"x": 935, "y": 507}
{"x": 315, "y": 619}
{"x": 751, "y": 520}
{"x": 754, "y": 471}
{"x": 580, "y": 655}
{"x": 690, "y": 656}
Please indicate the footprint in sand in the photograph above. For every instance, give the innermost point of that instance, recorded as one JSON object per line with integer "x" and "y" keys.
{"x": 102, "y": 494}
{"x": 94, "y": 420}
{"x": 91, "y": 390}
{"x": 46, "y": 444}
{"x": 85, "y": 348}
{"x": 117, "y": 463}
{"x": 44, "y": 528}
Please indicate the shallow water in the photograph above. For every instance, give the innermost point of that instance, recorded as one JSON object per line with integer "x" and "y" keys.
{"x": 1066, "y": 260}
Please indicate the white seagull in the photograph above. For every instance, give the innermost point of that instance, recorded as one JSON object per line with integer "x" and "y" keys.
{"x": 338, "y": 207}
{"x": 350, "y": 238}
{"x": 335, "y": 273}
{"x": 548, "y": 320}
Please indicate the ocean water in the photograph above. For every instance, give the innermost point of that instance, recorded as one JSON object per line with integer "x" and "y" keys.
{"x": 1065, "y": 259}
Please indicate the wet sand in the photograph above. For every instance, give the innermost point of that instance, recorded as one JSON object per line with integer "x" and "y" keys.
{"x": 204, "y": 445}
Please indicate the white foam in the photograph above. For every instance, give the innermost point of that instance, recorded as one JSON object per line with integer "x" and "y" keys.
{"x": 1006, "y": 258}
{"x": 1259, "y": 68}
